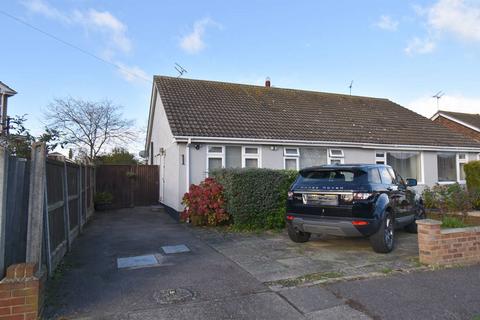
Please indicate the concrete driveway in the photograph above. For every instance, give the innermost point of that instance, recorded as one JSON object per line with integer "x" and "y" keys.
{"x": 272, "y": 258}
{"x": 200, "y": 284}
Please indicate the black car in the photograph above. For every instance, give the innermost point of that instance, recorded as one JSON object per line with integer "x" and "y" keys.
{"x": 352, "y": 200}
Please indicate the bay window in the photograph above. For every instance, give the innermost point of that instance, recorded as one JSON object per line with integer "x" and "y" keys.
{"x": 407, "y": 164}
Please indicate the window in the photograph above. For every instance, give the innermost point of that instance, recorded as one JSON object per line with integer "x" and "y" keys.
{"x": 233, "y": 157}
{"x": 462, "y": 159}
{"x": 291, "y": 158}
{"x": 374, "y": 176}
{"x": 332, "y": 177}
{"x": 215, "y": 157}
{"x": 310, "y": 157}
{"x": 446, "y": 164}
{"x": 407, "y": 164}
{"x": 380, "y": 158}
{"x": 251, "y": 157}
{"x": 292, "y": 152}
{"x": 385, "y": 175}
{"x": 335, "y": 156}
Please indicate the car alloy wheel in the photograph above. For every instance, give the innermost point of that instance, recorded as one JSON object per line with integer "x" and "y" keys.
{"x": 389, "y": 231}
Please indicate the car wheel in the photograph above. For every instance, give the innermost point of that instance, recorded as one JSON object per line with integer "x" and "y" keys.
{"x": 419, "y": 215}
{"x": 296, "y": 235}
{"x": 384, "y": 239}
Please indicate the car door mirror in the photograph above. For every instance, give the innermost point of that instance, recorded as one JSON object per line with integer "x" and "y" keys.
{"x": 411, "y": 182}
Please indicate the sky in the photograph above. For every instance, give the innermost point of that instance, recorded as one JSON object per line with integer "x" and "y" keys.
{"x": 405, "y": 51}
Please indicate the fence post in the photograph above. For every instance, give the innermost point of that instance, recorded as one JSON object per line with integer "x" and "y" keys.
{"x": 80, "y": 199}
{"x": 3, "y": 205}
{"x": 86, "y": 189}
{"x": 37, "y": 204}
{"x": 66, "y": 209}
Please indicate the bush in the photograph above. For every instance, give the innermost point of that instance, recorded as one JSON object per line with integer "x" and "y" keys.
{"x": 256, "y": 198}
{"x": 453, "y": 222}
{"x": 103, "y": 198}
{"x": 448, "y": 198}
{"x": 472, "y": 172}
{"x": 205, "y": 204}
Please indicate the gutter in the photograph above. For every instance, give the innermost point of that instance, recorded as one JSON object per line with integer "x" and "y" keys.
{"x": 253, "y": 141}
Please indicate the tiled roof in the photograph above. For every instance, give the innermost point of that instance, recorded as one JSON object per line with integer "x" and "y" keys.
{"x": 202, "y": 108}
{"x": 471, "y": 119}
{"x": 7, "y": 89}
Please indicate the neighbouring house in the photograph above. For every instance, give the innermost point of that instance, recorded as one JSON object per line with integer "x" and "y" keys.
{"x": 195, "y": 126}
{"x": 467, "y": 124}
{"x": 5, "y": 93}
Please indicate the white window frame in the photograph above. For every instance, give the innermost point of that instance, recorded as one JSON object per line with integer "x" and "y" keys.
{"x": 296, "y": 154}
{"x": 383, "y": 159}
{"x": 257, "y": 155}
{"x": 456, "y": 171}
{"x": 291, "y": 156}
{"x": 459, "y": 161}
{"x": 215, "y": 155}
{"x": 331, "y": 156}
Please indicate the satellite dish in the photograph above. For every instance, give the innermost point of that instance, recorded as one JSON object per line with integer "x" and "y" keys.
{"x": 143, "y": 154}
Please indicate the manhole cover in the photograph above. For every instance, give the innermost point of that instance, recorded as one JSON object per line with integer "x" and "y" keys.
{"x": 137, "y": 261}
{"x": 173, "y": 295}
{"x": 175, "y": 249}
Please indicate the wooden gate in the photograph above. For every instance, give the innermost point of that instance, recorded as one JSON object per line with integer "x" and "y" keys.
{"x": 130, "y": 185}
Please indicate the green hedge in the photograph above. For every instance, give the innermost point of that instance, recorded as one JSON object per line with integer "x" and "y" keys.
{"x": 256, "y": 198}
{"x": 472, "y": 172}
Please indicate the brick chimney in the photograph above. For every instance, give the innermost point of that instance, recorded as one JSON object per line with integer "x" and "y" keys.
{"x": 267, "y": 82}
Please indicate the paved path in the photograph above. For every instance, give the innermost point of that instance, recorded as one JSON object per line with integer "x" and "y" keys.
{"x": 273, "y": 257}
{"x": 442, "y": 294}
{"x": 205, "y": 284}
{"x": 202, "y": 284}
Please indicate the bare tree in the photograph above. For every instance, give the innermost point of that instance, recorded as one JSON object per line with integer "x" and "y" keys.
{"x": 89, "y": 125}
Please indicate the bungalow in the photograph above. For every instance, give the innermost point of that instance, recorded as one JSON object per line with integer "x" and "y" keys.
{"x": 467, "y": 124}
{"x": 195, "y": 126}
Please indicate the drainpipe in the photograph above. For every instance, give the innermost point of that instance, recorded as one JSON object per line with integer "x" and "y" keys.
{"x": 187, "y": 164}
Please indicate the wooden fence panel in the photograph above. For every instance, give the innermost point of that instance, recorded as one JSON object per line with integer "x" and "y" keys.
{"x": 130, "y": 185}
{"x": 146, "y": 185}
{"x": 17, "y": 210}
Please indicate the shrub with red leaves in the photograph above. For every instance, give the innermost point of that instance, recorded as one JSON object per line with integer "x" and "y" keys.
{"x": 205, "y": 204}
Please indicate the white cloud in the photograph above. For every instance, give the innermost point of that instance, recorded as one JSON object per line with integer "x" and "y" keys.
{"x": 420, "y": 46}
{"x": 132, "y": 73}
{"x": 458, "y": 18}
{"x": 102, "y": 22}
{"x": 387, "y": 23}
{"x": 193, "y": 42}
{"x": 427, "y": 106}
{"x": 105, "y": 22}
{"x": 43, "y": 8}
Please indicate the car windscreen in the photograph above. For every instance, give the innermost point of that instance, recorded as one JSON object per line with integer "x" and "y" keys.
{"x": 332, "y": 177}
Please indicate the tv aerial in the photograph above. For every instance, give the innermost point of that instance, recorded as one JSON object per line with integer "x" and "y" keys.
{"x": 438, "y": 96}
{"x": 350, "y": 86}
{"x": 181, "y": 70}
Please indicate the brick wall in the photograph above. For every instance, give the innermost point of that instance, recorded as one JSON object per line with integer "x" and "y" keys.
{"x": 454, "y": 126}
{"x": 447, "y": 246}
{"x": 19, "y": 293}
